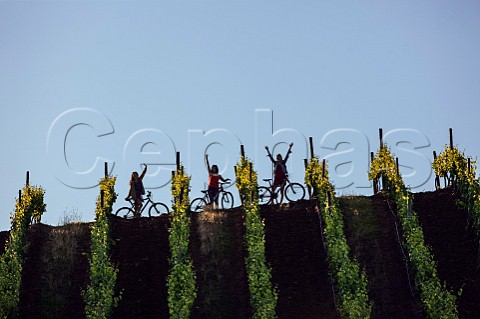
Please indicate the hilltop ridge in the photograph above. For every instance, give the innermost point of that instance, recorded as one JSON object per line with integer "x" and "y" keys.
{"x": 294, "y": 250}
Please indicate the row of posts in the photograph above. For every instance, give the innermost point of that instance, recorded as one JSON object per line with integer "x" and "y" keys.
{"x": 312, "y": 155}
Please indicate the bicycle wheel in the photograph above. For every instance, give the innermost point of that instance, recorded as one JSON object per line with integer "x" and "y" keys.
{"x": 198, "y": 205}
{"x": 294, "y": 192}
{"x": 226, "y": 200}
{"x": 264, "y": 195}
{"x": 157, "y": 209}
{"x": 125, "y": 212}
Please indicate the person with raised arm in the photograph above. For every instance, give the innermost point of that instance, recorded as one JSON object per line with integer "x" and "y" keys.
{"x": 137, "y": 190}
{"x": 280, "y": 173}
{"x": 213, "y": 182}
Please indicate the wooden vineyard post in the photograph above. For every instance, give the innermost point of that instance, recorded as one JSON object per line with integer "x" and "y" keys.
{"x": 380, "y": 137}
{"x": 451, "y": 138}
{"x": 323, "y": 168}
{"x": 177, "y": 161}
{"x": 27, "y": 182}
{"x": 102, "y": 198}
{"x": 453, "y": 172}
{"x": 397, "y": 166}
{"x": 242, "y": 155}
{"x": 179, "y": 170}
{"x": 312, "y": 153}
{"x": 437, "y": 179}
{"x": 309, "y": 189}
{"x": 375, "y": 181}
{"x": 312, "y": 193}
{"x": 106, "y": 169}
{"x": 384, "y": 179}
{"x": 251, "y": 177}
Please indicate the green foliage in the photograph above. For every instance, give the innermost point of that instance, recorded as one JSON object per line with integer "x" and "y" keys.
{"x": 383, "y": 165}
{"x": 263, "y": 297}
{"x": 11, "y": 262}
{"x": 107, "y": 185}
{"x": 316, "y": 177}
{"x": 453, "y": 165}
{"x": 351, "y": 282}
{"x": 246, "y": 181}
{"x": 180, "y": 191}
{"x": 437, "y": 301}
{"x": 100, "y": 296}
{"x": 181, "y": 280}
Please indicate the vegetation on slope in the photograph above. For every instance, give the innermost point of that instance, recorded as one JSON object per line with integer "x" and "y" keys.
{"x": 263, "y": 297}
{"x": 351, "y": 282}
{"x": 30, "y": 205}
{"x": 181, "y": 280}
{"x": 100, "y": 296}
{"x": 437, "y": 301}
{"x": 459, "y": 172}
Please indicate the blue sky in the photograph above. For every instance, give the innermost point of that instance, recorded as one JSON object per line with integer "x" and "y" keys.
{"x": 164, "y": 76}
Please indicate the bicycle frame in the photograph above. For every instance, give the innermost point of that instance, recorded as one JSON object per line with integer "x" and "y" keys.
{"x": 226, "y": 200}
{"x": 156, "y": 208}
{"x": 292, "y": 191}
{"x": 144, "y": 204}
{"x": 277, "y": 188}
{"x": 206, "y": 196}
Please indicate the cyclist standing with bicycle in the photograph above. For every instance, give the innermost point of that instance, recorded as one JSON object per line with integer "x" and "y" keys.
{"x": 213, "y": 182}
{"x": 137, "y": 190}
{"x": 280, "y": 174}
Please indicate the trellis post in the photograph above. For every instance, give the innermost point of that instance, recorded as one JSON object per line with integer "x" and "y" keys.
{"x": 375, "y": 180}
{"x": 312, "y": 153}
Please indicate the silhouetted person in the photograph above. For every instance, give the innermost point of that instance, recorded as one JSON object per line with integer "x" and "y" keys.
{"x": 213, "y": 183}
{"x": 280, "y": 174}
{"x": 137, "y": 190}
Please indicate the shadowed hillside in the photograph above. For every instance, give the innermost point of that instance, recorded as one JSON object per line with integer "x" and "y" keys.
{"x": 373, "y": 234}
{"x": 56, "y": 262}
{"x": 454, "y": 246}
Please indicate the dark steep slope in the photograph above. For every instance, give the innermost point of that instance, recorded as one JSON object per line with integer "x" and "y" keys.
{"x": 218, "y": 255}
{"x": 56, "y": 261}
{"x": 453, "y": 246}
{"x": 141, "y": 253}
{"x": 55, "y": 271}
{"x": 372, "y": 236}
{"x": 298, "y": 259}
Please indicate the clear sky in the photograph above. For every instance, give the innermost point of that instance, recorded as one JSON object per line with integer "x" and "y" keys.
{"x": 135, "y": 81}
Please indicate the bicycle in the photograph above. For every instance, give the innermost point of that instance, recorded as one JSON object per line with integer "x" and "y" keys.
{"x": 225, "y": 197}
{"x": 156, "y": 209}
{"x": 292, "y": 192}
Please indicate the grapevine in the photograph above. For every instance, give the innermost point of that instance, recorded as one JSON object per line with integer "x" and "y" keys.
{"x": 181, "y": 280}
{"x": 100, "y": 296}
{"x": 437, "y": 301}
{"x": 263, "y": 297}
{"x": 11, "y": 263}
{"x": 350, "y": 280}
{"x": 453, "y": 165}
{"x": 383, "y": 165}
